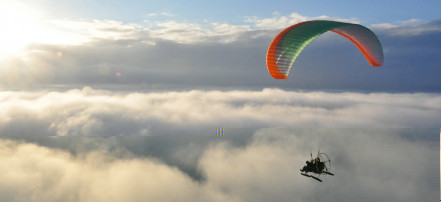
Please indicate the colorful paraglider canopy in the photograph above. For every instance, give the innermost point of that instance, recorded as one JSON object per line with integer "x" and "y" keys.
{"x": 289, "y": 43}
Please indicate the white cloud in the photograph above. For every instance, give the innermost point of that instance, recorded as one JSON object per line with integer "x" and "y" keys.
{"x": 412, "y": 21}
{"x": 358, "y": 167}
{"x": 34, "y": 173}
{"x": 411, "y": 27}
{"x": 193, "y": 32}
{"x": 78, "y": 32}
{"x": 95, "y": 112}
{"x": 167, "y": 14}
{"x": 365, "y": 162}
{"x": 384, "y": 26}
{"x": 279, "y": 22}
{"x": 182, "y": 32}
{"x": 27, "y": 28}
{"x": 70, "y": 32}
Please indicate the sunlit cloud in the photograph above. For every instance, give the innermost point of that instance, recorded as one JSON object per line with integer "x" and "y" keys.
{"x": 279, "y": 22}
{"x": 167, "y": 14}
{"x": 89, "y": 112}
{"x": 59, "y": 176}
{"x": 194, "y": 32}
{"x": 78, "y": 32}
{"x": 25, "y": 26}
{"x": 264, "y": 168}
{"x": 412, "y": 27}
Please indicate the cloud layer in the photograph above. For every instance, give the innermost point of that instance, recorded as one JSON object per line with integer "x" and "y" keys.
{"x": 375, "y": 165}
{"x": 106, "y": 52}
{"x": 97, "y": 112}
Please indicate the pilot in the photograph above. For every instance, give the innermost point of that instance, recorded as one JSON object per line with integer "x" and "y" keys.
{"x": 309, "y": 164}
{"x": 308, "y": 167}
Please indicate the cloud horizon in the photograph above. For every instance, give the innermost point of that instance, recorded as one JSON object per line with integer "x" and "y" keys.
{"x": 90, "y": 112}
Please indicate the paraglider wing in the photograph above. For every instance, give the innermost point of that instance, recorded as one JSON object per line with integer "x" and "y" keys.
{"x": 289, "y": 43}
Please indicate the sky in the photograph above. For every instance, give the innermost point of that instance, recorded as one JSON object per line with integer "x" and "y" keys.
{"x": 99, "y": 95}
{"x": 232, "y": 11}
{"x": 175, "y": 45}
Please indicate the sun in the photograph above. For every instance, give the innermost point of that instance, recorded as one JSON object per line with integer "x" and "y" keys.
{"x": 19, "y": 27}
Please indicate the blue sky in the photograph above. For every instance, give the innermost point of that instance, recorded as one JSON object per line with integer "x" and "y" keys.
{"x": 235, "y": 11}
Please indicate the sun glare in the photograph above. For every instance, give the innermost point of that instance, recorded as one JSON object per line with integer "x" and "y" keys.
{"x": 19, "y": 26}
